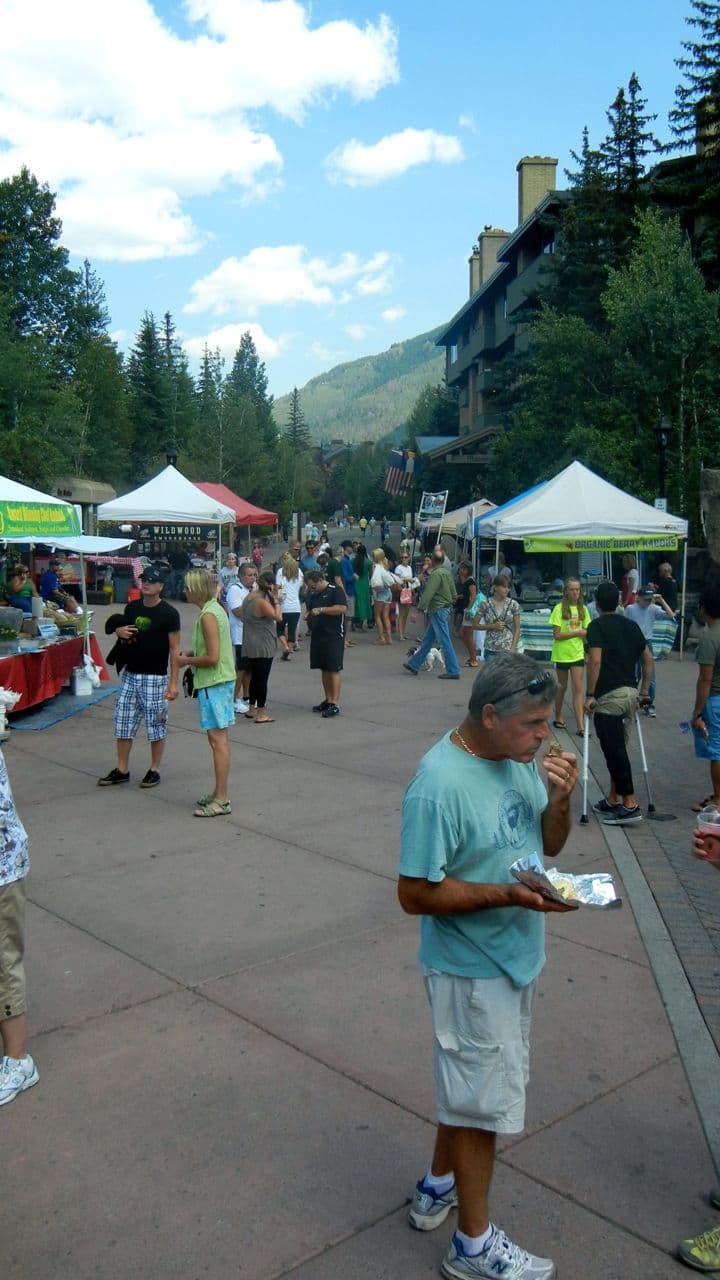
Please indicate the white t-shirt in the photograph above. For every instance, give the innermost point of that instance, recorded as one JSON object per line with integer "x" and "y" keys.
{"x": 290, "y": 587}
{"x": 236, "y": 593}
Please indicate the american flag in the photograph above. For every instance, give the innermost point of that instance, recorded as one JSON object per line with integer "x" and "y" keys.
{"x": 401, "y": 471}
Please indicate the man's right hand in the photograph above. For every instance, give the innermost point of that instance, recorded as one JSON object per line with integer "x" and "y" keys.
{"x": 126, "y": 632}
{"x": 522, "y": 896}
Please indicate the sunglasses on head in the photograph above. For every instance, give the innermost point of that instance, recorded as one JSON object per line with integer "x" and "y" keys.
{"x": 537, "y": 685}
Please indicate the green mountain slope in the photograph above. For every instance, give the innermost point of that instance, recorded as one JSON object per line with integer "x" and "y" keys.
{"x": 370, "y": 398}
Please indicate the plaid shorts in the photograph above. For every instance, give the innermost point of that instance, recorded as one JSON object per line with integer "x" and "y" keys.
{"x": 141, "y": 696}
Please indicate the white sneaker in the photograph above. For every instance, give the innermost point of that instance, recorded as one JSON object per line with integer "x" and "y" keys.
{"x": 241, "y": 705}
{"x": 16, "y": 1075}
{"x": 499, "y": 1260}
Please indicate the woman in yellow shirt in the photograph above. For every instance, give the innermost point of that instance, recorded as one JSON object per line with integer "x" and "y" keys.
{"x": 569, "y": 621}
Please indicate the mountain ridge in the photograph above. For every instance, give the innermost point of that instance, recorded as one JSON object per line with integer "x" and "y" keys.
{"x": 369, "y": 398}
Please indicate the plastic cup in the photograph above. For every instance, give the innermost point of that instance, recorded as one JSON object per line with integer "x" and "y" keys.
{"x": 708, "y": 828}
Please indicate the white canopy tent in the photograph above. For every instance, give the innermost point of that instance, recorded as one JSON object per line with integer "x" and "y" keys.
{"x": 454, "y": 521}
{"x": 83, "y": 545}
{"x": 169, "y": 498}
{"x": 578, "y": 511}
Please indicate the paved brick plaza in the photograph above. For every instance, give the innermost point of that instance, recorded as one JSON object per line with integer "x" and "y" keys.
{"x": 231, "y": 1032}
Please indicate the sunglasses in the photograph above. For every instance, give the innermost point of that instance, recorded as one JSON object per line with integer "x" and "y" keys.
{"x": 538, "y": 684}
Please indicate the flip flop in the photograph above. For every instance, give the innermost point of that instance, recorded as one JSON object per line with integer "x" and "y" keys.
{"x": 267, "y": 720}
{"x": 249, "y": 715}
{"x": 698, "y": 808}
{"x": 213, "y": 809}
{"x": 560, "y": 724}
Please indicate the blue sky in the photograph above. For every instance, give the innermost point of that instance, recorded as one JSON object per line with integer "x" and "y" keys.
{"x": 316, "y": 173}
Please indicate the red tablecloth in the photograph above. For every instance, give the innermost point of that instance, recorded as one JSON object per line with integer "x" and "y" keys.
{"x": 39, "y": 676}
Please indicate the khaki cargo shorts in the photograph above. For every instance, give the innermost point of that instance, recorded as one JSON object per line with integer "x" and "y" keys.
{"x": 12, "y": 949}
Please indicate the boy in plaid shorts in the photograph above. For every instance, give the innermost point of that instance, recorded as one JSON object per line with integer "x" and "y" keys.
{"x": 17, "y": 1069}
{"x": 150, "y": 636}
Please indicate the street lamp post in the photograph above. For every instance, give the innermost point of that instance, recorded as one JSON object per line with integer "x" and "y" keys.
{"x": 663, "y": 431}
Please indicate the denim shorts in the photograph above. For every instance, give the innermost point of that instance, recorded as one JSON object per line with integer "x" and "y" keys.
{"x": 709, "y": 749}
{"x": 481, "y": 1050}
{"x": 216, "y": 705}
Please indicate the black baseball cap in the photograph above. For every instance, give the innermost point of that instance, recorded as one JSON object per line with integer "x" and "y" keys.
{"x": 646, "y": 591}
{"x": 151, "y": 574}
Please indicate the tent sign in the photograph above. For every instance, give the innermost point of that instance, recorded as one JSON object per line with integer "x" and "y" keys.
{"x": 38, "y": 519}
{"x": 621, "y": 542}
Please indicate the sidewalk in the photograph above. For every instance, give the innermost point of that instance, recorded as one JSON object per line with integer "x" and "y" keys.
{"x": 230, "y": 1026}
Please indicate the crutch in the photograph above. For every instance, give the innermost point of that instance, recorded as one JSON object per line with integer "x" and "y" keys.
{"x": 643, "y": 757}
{"x": 585, "y": 764}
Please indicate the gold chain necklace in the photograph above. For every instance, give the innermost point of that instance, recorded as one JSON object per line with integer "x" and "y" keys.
{"x": 465, "y": 746}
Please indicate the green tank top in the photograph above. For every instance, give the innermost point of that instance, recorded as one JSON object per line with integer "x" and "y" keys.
{"x": 224, "y": 670}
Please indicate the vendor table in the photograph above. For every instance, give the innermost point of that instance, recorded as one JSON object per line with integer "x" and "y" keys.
{"x": 536, "y": 635}
{"x": 41, "y": 675}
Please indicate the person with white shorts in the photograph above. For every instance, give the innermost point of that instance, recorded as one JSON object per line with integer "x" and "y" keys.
{"x": 477, "y": 803}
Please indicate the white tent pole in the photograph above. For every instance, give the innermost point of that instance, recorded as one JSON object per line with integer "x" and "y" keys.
{"x": 682, "y": 602}
{"x": 83, "y": 592}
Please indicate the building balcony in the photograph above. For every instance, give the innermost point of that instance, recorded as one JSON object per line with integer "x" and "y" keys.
{"x": 527, "y": 283}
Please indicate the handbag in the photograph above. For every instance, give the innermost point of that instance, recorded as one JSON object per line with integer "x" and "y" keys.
{"x": 188, "y": 683}
{"x": 406, "y": 595}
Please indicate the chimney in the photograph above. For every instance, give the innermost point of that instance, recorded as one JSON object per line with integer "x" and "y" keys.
{"x": 536, "y": 176}
{"x": 483, "y": 259}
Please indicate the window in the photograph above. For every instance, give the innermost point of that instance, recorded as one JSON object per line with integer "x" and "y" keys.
{"x": 453, "y": 352}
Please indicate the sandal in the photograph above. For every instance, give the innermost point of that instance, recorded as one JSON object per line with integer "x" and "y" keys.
{"x": 213, "y": 809}
{"x": 249, "y": 715}
{"x": 285, "y": 657}
{"x": 560, "y": 724}
{"x": 472, "y": 664}
{"x": 265, "y": 720}
{"x": 698, "y": 808}
{"x": 208, "y": 799}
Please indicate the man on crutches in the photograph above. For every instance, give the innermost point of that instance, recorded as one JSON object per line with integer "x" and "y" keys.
{"x": 615, "y": 645}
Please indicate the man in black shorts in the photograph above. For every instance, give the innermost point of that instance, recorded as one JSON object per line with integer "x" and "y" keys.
{"x": 325, "y": 609}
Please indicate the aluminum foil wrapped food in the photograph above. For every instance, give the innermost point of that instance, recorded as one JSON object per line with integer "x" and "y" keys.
{"x": 596, "y": 889}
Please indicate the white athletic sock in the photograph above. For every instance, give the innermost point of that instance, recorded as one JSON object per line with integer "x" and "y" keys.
{"x": 440, "y": 1184}
{"x": 473, "y": 1245}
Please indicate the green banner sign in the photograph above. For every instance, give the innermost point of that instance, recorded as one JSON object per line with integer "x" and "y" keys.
{"x": 621, "y": 542}
{"x": 38, "y": 520}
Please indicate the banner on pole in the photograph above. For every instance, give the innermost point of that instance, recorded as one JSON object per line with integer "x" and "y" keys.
{"x": 619, "y": 542}
{"x": 432, "y": 505}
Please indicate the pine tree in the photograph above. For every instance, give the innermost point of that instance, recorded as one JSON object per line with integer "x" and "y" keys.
{"x": 629, "y": 142}
{"x": 692, "y": 183}
{"x": 578, "y": 269}
{"x": 296, "y": 432}
{"x": 248, "y": 377}
{"x": 146, "y": 382}
{"x": 695, "y": 118}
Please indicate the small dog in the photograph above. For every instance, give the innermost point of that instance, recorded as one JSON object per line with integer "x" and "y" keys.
{"x": 434, "y": 659}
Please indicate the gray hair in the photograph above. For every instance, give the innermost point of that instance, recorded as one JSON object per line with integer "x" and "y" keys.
{"x": 503, "y": 682}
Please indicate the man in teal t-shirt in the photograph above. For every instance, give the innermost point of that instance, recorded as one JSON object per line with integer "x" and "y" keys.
{"x": 476, "y": 804}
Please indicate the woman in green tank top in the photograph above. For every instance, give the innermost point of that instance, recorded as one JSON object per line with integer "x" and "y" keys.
{"x": 213, "y": 662}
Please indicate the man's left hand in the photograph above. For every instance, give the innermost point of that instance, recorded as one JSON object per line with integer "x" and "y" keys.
{"x": 171, "y": 693}
{"x": 561, "y": 772}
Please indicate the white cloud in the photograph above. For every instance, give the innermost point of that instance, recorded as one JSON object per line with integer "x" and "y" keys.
{"x": 467, "y": 121}
{"x": 285, "y": 275}
{"x": 228, "y": 338}
{"x": 358, "y": 165}
{"x": 126, "y": 120}
{"x": 324, "y": 354}
{"x": 391, "y": 314}
{"x": 356, "y": 331}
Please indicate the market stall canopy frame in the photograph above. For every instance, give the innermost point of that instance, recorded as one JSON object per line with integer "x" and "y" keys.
{"x": 169, "y": 498}
{"x": 578, "y": 510}
{"x": 246, "y": 513}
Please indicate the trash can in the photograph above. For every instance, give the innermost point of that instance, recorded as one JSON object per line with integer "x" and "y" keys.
{"x": 122, "y": 582}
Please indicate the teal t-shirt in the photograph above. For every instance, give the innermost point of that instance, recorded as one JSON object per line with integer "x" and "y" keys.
{"x": 470, "y": 819}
